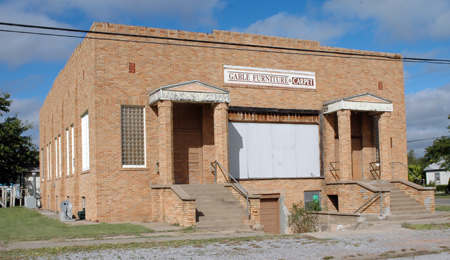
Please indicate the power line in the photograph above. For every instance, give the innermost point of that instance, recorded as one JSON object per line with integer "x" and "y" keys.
{"x": 203, "y": 46}
{"x": 188, "y": 40}
{"x": 410, "y": 85}
{"x": 431, "y": 138}
{"x": 348, "y": 55}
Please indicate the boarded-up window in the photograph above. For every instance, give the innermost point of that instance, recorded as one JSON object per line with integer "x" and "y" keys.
{"x": 271, "y": 150}
{"x": 133, "y": 137}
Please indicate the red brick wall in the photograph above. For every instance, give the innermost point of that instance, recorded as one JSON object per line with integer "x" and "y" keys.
{"x": 352, "y": 196}
{"x": 96, "y": 78}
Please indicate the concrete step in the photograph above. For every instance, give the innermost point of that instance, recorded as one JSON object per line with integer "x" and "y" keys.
{"x": 218, "y": 203}
{"x": 405, "y": 204}
{"x": 217, "y": 208}
{"x": 221, "y": 217}
{"x": 238, "y": 228}
{"x": 402, "y": 199}
{"x": 221, "y": 211}
{"x": 220, "y": 223}
{"x": 408, "y": 208}
{"x": 402, "y": 205}
{"x": 407, "y": 217}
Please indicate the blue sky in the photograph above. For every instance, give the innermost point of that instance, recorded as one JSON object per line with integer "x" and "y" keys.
{"x": 414, "y": 28}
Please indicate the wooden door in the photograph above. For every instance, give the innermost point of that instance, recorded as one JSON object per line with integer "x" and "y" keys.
{"x": 179, "y": 166}
{"x": 270, "y": 215}
{"x": 187, "y": 143}
{"x": 188, "y": 157}
{"x": 357, "y": 158}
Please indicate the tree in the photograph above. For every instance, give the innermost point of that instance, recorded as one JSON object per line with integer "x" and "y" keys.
{"x": 439, "y": 152}
{"x": 416, "y": 165}
{"x": 16, "y": 149}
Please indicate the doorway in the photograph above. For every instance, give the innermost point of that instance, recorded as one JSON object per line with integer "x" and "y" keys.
{"x": 187, "y": 143}
{"x": 357, "y": 157}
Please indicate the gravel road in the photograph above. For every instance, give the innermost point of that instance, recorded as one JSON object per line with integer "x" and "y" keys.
{"x": 398, "y": 244}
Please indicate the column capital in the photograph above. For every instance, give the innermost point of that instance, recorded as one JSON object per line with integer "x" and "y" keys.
{"x": 165, "y": 103}
{"x": 345, "y": 112}
{"x": 384, "y": 115}
{"x": 221, "y": 106}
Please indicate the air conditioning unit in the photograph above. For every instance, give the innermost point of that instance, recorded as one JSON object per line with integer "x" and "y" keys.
{"x": 30, "y": 202}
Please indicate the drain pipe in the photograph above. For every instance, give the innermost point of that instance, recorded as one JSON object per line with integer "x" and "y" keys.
{"x": 38, "y": 203}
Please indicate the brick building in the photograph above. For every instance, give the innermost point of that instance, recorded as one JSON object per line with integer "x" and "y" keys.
{"x": 137, "y": 113}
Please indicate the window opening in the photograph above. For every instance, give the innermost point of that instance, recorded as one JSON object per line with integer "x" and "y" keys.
{"x": 133, "y": 136}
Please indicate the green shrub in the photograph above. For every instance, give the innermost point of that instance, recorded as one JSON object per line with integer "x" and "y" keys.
{"x": 302, "y": 220}
{"x": 441, "y": 188}
{"x": 313, "y": 205}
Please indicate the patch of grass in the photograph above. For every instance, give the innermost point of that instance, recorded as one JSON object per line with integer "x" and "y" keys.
{"x": 21, "y": 224}
{"x": 189, "y": 229}
{"x": 430, "y": 226}
{"x": 442, "y": 207}
{"x": 55, "y": 251}
{"x": 442, "y": 195}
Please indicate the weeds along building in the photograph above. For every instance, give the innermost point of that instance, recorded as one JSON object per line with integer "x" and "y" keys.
{"x": 137, "y": 111}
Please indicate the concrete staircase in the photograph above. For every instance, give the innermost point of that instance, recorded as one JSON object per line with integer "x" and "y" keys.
{"x": 402, "y": 205}
{"x": 216, "y": 206}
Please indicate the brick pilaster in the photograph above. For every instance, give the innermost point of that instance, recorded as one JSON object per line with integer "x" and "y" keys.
{"x": 221, "y": 138}
{"x": 384, "y": 137}
{"x": 345, "y": 145}
{"x": 165, "y": 115}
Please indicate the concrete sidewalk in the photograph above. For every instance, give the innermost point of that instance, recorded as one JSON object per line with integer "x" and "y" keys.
{"x": 143, "y": 238}
{"x": 165, "y": 232}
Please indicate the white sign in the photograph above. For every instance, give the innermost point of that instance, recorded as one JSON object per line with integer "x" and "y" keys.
{"x": 269, "y": 77}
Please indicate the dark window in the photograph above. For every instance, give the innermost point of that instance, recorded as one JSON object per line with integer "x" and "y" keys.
{"x": 312, "y": 200}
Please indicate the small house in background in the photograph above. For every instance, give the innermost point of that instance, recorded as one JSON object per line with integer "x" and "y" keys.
{"x": 434, "y": 173}
{"x": 28, "y": 180}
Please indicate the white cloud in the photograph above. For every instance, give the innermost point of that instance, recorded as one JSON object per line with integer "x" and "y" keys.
{"x": 18, "y": 49}
{"x": 426, "y": 116}
{"x": 400, "y": 19}
{"x": 299, "y": 27}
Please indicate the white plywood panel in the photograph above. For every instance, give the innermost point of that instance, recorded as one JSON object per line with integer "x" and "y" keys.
{"x": 283, "y": 150}
{"x": 307, "y": 151}
{"x": 268, "y": 150}
{"x": 259, "y": 151}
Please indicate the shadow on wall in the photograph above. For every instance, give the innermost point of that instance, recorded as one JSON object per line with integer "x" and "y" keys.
{"x": 235, "y": 146}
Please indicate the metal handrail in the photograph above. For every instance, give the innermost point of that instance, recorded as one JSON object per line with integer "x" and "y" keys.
{"x": 381, "y": 203}
{"x": 392, "y": 166}
{"x": 223, "y": 168}
{"x": 374, "y": 170}
{"x": 335, "y": 174}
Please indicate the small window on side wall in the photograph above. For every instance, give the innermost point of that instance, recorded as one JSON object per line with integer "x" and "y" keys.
{"x": 133, "y": 137}
{"x": 312, "y": 200}
{"x": 85, "y": 141}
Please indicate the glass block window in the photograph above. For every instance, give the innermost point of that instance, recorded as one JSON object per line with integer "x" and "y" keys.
{"x": 133, "y": 136}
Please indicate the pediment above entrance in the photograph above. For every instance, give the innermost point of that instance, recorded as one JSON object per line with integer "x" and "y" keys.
{"x": 361, "y": 102}
{"x": 191, "y": 91}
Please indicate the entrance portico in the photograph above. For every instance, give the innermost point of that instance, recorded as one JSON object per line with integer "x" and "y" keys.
{"x": 362, "y": 137}
{"x": 193, "y": 131}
